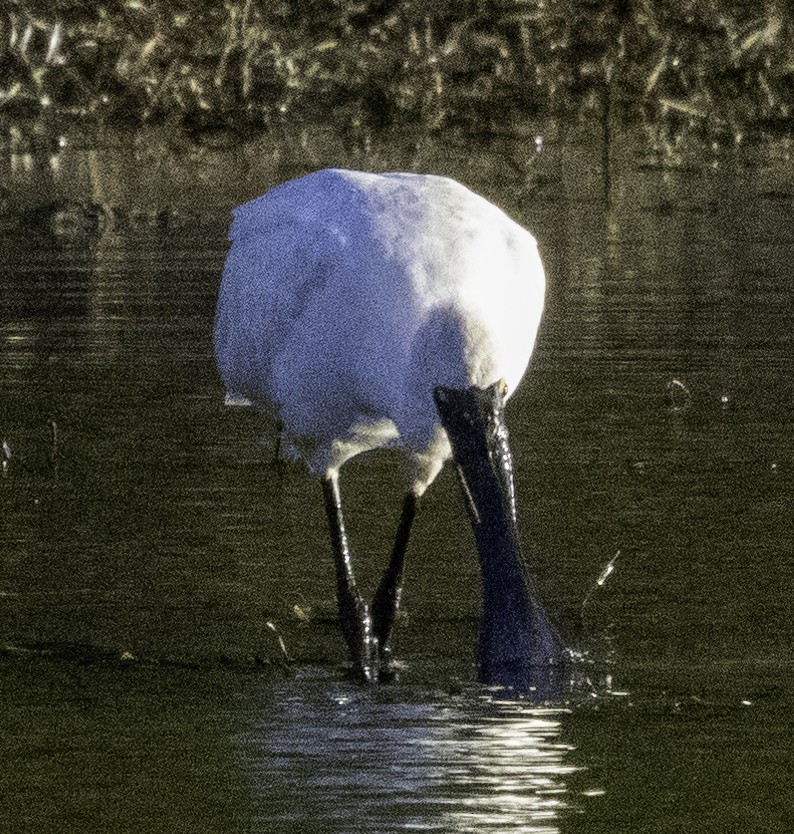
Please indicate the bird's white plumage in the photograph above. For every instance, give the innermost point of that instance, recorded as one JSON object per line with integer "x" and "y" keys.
{"x": 347, "y": 297}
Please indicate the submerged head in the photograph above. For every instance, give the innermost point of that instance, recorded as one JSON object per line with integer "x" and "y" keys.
{"x": 519, "y": 648}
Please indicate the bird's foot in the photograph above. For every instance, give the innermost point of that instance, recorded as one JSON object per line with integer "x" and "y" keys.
{"x": 362, "y": 643}
{"x": 388, "y": 668}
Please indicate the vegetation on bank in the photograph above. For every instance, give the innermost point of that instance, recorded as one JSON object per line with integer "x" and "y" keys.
{"x": 720, "y": 68}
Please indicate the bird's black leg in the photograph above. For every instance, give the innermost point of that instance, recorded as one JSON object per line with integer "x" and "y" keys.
{"x": 387, "y": 597}
{"x": 354, "y": 617}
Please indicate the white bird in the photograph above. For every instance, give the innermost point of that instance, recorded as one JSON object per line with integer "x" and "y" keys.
{"x": 367, "y": 311}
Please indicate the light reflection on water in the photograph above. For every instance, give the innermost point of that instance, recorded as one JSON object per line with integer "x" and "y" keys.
{"x": 353, "y": 760}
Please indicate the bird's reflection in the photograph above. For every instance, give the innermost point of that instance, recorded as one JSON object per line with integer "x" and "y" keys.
{"x": 348, "y": 759}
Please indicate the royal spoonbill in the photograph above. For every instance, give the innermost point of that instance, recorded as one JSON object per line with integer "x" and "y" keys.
{"x": 370, "y": 311}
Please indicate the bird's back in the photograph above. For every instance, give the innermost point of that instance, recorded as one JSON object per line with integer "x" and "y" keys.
{"x": 347, "y": 297}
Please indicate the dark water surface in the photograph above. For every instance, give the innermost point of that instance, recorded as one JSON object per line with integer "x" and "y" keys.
{"x": 151, "y": 552}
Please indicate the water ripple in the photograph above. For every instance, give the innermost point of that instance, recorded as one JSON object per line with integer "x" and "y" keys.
{"x": 348, "y": 761}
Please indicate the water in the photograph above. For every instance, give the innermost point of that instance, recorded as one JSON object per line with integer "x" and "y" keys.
{"x": 152, "y": 553}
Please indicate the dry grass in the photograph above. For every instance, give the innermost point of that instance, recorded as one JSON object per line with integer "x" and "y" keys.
{"x": 713, "y": 67}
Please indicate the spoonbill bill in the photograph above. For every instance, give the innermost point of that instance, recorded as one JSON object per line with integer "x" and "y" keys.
{"x": 369, "y": 311}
